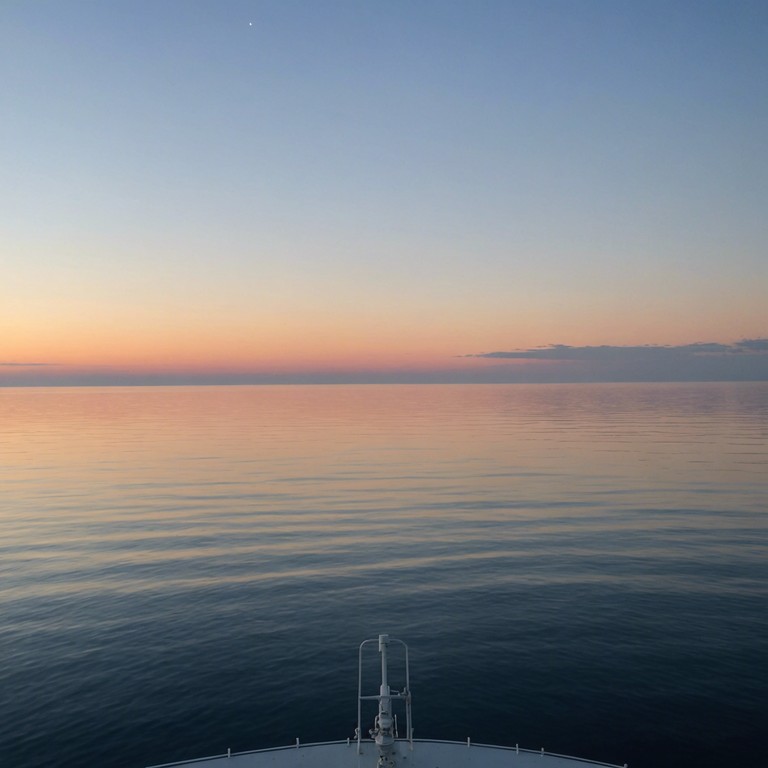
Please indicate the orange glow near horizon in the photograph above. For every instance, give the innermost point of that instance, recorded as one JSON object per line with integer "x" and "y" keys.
{"x": 133, "y": 341}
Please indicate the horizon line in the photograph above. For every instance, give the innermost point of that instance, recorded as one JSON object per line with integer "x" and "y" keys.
{"x": 355, "y": 383}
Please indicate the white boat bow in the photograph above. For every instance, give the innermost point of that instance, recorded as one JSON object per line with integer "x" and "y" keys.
{"x": 384, "y": 748}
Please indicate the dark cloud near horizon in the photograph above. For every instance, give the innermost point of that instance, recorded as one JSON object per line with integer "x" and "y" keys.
{"x": 754, "y": 345}
{"x": 26, "y": 365}
{"x": 649, "y": 352}
{"x": 745, "y": 360}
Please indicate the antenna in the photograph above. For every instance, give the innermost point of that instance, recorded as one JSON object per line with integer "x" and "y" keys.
{"x": 383, "y": 731}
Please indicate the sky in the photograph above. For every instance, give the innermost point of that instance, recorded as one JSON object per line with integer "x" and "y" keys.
{"x": 237, "y": 191}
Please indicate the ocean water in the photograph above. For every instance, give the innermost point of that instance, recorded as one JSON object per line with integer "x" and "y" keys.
{"x": 578, "y": 567}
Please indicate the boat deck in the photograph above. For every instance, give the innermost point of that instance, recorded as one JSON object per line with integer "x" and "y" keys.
{"x": 425, "y": 754}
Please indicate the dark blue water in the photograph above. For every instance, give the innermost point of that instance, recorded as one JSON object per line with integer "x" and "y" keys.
{"x": 579, "y": 567}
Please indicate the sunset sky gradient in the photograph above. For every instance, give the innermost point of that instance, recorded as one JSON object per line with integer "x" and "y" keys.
{"x": 276, "y": 191}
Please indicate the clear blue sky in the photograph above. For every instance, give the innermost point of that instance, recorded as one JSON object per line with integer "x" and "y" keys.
{"x": 331, "y": 188}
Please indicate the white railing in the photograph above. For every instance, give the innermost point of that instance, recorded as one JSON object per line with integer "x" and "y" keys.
{"x": 347, "y": 742}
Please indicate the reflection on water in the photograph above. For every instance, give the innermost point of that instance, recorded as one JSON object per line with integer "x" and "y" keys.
{"x": 590, "y": 559}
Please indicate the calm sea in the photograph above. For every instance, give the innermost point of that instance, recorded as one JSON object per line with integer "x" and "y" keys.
{"x": 578, "y": 567}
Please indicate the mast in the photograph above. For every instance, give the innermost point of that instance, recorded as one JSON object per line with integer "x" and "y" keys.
{"x": 384, "y": 731}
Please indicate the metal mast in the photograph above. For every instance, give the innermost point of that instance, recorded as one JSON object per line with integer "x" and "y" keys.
{"x": 384, "y": 731}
